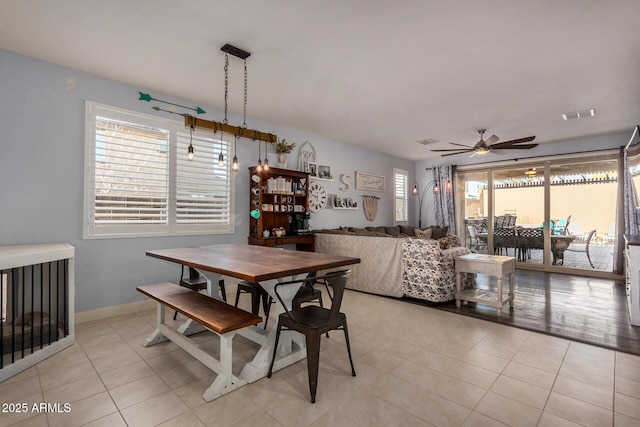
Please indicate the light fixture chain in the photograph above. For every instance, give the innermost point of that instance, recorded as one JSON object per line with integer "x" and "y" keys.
{"x": 226, "y": 85}
{"x": 244, "y": 123}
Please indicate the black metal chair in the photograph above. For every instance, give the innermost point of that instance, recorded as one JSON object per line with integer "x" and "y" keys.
{"x": 313, "y": 321}
{"x": 197, "y": 282}
{"x": 306, "y": 293}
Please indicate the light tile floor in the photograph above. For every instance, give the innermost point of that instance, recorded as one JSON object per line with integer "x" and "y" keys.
{"x": 416, "y": 366}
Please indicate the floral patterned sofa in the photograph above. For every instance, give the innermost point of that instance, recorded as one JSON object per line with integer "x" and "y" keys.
{"x": 402, "y": 266}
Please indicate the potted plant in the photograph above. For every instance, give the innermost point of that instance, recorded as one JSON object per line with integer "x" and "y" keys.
{"x": 282, "y": 148}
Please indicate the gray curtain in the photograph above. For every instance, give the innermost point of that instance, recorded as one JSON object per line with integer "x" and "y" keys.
{"x": 445, "y": 209}
{"x": 631, "y": 213}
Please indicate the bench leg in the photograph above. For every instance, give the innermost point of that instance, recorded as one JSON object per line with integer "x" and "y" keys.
{"x": 157, "y": 336}
{"x": 225, "y": 381}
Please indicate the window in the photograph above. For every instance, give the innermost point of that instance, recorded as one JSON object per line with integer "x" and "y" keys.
{"x": 401, "y": 192}
{"x": 138, "y": 181}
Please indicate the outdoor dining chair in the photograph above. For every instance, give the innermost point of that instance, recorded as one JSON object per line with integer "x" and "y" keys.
{"x": 475, "y": 242}
{"x": 579, "y": 248}
{"x": 529, "y": 239}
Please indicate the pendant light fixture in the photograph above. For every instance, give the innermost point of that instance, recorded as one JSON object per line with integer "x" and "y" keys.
{"x": 226, "y": 96}
{"x": 238, "y": 131}
{"x": 221, "y": 156}
{"x": 234, "y": 165}
{"x": 190, "y": 149}
{"x": 265, "y": 165}
{"x": 259, "y": 167}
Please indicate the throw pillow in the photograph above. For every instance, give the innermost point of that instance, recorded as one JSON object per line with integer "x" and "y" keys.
{"x": 423, "y": 234}
{"x": 439, "y": 232}
{"x": 449, "y": 242}
{"x": 445, "y": 242}
{"x": 394, "y": 231}
{"x": 408, "y": 231}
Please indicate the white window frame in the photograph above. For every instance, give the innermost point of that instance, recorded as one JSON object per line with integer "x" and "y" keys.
{"x": 171, "y": 228}
{"x": 401, "y": 200}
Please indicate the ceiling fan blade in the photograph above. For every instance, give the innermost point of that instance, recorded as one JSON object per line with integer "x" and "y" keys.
{"x": 459, "y": 152}
{"x": 454, "y": 149}
{"x": 460, "y": 145}
{"x": 515, "y": 147}
{"x": 492, "y": 139}
{"x": 515, "y": 141}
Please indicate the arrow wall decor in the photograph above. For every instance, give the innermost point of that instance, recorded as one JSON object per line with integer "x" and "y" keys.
{"x": 149, "y": 98}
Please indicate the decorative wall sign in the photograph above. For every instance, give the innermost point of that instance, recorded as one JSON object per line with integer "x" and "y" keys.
{"x": 368, "y": 181}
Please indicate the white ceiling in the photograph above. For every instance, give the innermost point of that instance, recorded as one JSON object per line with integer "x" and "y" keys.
{"x": 378, "y": 73}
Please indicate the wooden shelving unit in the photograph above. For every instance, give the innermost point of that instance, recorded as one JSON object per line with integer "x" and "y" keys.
{"x": 277, "y": 207}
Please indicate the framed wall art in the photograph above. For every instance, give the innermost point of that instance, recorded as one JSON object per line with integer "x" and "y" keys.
{"x": 324, "y": 172}
{"x": 369, "y": 181}
{"x": 311, "y": 168}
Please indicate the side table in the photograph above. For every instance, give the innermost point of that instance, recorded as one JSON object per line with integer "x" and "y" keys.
{"x": 493, "y": 265}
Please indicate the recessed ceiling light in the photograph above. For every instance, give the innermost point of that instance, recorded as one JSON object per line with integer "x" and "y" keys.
{"x": 579, "y": 114}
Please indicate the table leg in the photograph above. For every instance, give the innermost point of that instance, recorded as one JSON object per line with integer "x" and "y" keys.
{"x": 458, "y": 303}
{"x": 499, "y": 304}
{"x": 259, "y": 366}
{"x": 511, "y": 294}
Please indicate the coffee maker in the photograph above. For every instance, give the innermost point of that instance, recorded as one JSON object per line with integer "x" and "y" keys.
{"x": 300, "y": 223}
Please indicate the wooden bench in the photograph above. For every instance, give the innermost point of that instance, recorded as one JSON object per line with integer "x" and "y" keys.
{"x": 215, "y": 315}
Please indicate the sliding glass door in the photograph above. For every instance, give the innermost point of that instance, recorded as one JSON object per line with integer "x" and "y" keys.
{"x": 473, "y": 208}
{"x": 518, "y": 195}
{"x": 554, "y": 215}
{"x": 583, "y": 208}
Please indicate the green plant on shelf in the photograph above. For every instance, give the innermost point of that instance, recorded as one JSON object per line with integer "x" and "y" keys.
{"x": 282, "y": 147}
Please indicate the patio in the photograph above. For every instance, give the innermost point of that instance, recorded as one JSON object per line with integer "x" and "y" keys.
{"x": 601, "y": 255}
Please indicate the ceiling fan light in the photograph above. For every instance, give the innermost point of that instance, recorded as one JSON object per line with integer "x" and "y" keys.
{"x": 531, "y": 172}
{"x": 482, "y": 151}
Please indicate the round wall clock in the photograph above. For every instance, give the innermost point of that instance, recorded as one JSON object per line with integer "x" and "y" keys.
{"x": 317, "y": 197}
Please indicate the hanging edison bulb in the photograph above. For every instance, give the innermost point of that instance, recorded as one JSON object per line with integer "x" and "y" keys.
{"x": 234, "y": 165}
{"x": 265, "y": 165}
{"x": 190, "y": 149}
{"x": 221, "y": 156}
{"x": 259, "y": 167}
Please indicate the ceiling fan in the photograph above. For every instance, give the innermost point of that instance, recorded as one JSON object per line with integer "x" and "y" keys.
{"x": 484, "y": 147}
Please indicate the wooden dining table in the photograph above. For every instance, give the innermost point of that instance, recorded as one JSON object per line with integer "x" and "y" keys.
{"x": 262, "y": 265}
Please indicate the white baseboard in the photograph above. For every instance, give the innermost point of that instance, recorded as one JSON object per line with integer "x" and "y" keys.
{"x": 116, "y": 310}
{"x": 135, "y": 307}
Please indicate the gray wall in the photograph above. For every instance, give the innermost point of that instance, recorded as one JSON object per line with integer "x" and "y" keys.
{"x": 42, "y": 171}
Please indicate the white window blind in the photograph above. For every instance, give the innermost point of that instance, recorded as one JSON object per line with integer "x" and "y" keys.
{"x": 140, "y": 183}
{"x": 401, "y": 187}
{"x": 131, "y": 179}
{"x": 203, "y": 187}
